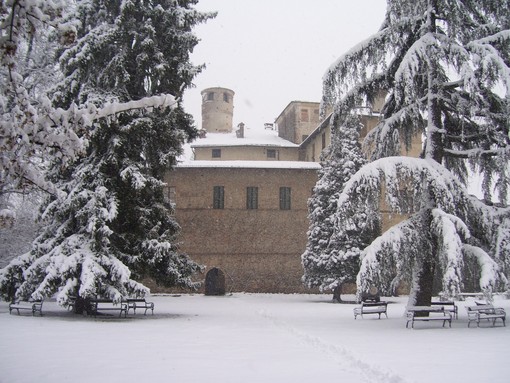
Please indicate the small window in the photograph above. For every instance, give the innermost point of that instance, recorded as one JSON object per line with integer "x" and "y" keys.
{"x": 218, "y": 197}
{"x": 304, "y": 115}
{"x": 323, "y": 141}
{"x": 284, "y": 198}
{"x": 210, "y": 96}
{"x": 216, "y": 153}
{"x": 252, "y": 197}
{"x": 271, "y": 153}
{"x": 226, "y": 98}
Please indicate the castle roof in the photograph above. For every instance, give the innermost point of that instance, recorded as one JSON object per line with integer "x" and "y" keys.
{"x": 252, "y": 137}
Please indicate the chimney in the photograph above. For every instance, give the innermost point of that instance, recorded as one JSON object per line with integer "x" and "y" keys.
{"x": 240, "y": 130}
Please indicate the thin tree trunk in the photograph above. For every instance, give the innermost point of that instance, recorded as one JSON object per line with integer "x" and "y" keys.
{"x": 425, "y": 284}
{"x": 82, "y": 305}
{"x": 337, "y": 293}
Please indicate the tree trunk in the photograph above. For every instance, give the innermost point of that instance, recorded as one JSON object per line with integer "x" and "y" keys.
{"x": 337, "y": 293}
{"x": 82, "y": 305}
{"x": 425, "y": 283}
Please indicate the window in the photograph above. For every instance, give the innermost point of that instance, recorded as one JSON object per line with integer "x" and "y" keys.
{"x": 218, "y": 197}
{"x": 323, "y": 141}
{"x": 225, "y": 97}
{"x": 284, "y": 198}
{"x": 216, "y": 153}
{"x": 271, "y": 153}
{"x": 209, "y": 96}
{"x": 252, "y": 197}
{"x": 304, "y": 115}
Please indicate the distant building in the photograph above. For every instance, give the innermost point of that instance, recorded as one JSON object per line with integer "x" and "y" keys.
{"x": 298, "y": 120}
{"x": 241, "y": 197}
{"x": 217, "y": 109}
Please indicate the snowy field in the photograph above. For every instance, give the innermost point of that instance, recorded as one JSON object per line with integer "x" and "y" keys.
{"x": 247, "y": 338}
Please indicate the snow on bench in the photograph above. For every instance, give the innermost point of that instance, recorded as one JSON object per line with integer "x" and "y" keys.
{"x": 31, "y": 305}
{"x": 463, "y": 296}
{"x": 100, "y": 305}
{"x": 428, "y": 313}
{"x": 371, "y": 308}
{"x": 135, "y": 303}
{"x": 449, "y": 306}
{"x": 485, "y": 312}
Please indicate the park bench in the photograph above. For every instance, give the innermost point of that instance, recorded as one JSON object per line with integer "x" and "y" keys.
{"x": 101, "y": 305}
{"x": 35, "y": 306}
{"x": 463, "y": 296}
{"x": 448, "y": 306}
{"x": 139, "y": 303}
{"x": 371, "y": 308}
{"x": 485, "y": 312}
{"x": 428, "y": 313}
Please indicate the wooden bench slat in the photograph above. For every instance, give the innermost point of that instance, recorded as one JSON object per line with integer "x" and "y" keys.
{"x": 107, "y": 305}
{"x": 379, "y": 308}
{"x": 434, "y": 310}
{"x": 485, "y": 312}
{"x": 139, "y": 303}
{"x": 448, "y": 305}
{"x": 32, "y": 305}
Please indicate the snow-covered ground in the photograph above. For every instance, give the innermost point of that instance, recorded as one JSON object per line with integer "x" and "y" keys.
{"x": 250, "y": 338}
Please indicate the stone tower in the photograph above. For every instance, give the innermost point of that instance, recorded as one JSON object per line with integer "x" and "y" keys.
{"x": 217, "y": 110}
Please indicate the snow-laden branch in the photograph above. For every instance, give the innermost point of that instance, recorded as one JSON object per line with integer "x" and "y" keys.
{"x": 477, "y": 152}
{"x": 352, "y": 54}
{"x": 27, "y": 139}
{"x": 385, "y": 262}
{"x": 491, "y": 273}
{"x": 395, "y": 175}
{"x": 162, "y": 101}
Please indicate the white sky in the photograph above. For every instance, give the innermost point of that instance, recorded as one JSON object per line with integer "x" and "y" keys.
{"x": 272, "y": 52}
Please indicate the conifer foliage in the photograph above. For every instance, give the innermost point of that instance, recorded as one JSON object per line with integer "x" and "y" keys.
{"x": 112, "y": 226}
{"x": 323, "y": 264}
{"x": 446, "y": 67}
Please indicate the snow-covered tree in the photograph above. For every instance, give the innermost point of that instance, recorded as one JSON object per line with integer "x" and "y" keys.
{"x": 341, "y": 160}
{"x": 30, "y": 128}
{"x": 112, "y": 226}
{"x": 17, "y": 234}
{"x": 445, "y": 66}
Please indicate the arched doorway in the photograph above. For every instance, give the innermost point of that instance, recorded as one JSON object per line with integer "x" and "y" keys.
{"x": 215, "y": 282}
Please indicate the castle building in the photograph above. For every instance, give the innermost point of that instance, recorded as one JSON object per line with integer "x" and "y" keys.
{"x": 241, "y": 197}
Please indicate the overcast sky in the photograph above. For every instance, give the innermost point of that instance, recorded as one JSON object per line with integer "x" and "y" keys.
{"x": 272, "y": 52}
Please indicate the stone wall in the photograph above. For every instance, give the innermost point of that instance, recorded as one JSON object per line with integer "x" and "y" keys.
{"x": 246, "y": 153}
{"x": 258, "y": 250}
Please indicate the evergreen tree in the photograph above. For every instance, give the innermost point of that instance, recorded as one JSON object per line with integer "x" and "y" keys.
{"x": 325, "y": 263}
{"x": 114, "y": 225}
{"x": 445, "y": 66}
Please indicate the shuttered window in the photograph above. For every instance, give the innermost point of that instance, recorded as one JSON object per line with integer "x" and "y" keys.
{"x": 218, "y": 197}
{"x": 252, "y": 197}
{"x": 285, "y": 198}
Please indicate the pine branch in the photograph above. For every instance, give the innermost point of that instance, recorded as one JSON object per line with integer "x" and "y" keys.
{"x": 473, "y": 153}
